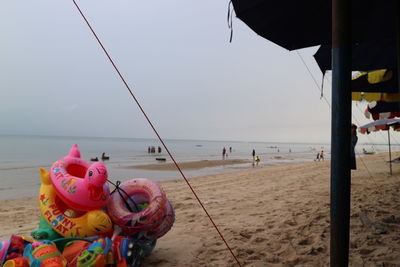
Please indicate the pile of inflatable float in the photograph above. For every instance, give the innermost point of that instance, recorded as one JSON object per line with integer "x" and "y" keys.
{"x": 83, "y": 224}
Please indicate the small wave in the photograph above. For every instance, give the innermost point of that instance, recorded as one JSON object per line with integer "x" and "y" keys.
{"x": 5, "y": 188}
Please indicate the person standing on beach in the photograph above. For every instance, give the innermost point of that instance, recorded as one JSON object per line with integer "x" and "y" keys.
{"x": 230, "y": 149}
{"x": 254, "y": 154}
{"x": 321, "y": 155}
{"x": 317, "y": 158}
{"x": 223, "y": 153}
{"x": 354, "y": 140}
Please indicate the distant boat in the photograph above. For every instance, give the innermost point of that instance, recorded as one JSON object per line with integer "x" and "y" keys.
{"x": 368, "y": 152}
{"x": 199, "y": 145}
{"x": 161, "y": 159}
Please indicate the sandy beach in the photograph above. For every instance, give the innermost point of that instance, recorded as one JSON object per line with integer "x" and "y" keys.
{"x": 275, "y": 216}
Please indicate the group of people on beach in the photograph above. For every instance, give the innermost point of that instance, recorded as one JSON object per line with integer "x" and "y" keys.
{"x": 354, "y": 139}
{"x": 320, "y": 156}
{"x": 225, "y": 153}
{"x": 103, "y": 157}
{"x": 256, "y": 159}
{"x": 152, "y": 149}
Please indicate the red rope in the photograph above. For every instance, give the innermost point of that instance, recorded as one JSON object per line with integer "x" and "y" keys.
{"x": 155, "y": 131}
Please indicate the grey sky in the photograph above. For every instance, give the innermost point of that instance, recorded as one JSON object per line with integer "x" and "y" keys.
{"x": 177, "y": 58}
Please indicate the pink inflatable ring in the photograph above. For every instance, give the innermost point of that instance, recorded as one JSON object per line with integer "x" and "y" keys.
{"x": 154, "y": 220}
{"x": 80, "y": 185}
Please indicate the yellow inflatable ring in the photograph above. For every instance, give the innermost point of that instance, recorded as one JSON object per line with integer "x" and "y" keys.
{"x": 54, "y": 211}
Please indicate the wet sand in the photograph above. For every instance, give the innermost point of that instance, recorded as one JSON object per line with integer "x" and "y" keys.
{"x": 191, "y": 165}
{"x": 276, "y": 216}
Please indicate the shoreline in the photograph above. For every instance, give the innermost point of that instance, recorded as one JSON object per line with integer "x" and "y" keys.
{"x": 159, "y": 172}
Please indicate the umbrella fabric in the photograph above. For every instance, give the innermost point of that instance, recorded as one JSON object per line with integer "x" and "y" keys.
{"x": 382, "y": 110}
{"x": 387, "y": 97}
{"x": 382, "y": 124}
{"x": 384, "y": 81}
{"x": 366, "y": 56}
{"x": 295, "y": 24}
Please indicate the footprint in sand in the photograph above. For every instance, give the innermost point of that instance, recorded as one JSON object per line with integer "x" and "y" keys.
{"x": 249, "y": 251}
{"x": 245, "y": 235}
{"x": 290, "y": 223}
{"x": 254, "y": 257}
{"x": 259, "y": 239}
{"x": 316, "y": 251}
{"x": 304, "y": 242}
{"x": 365, "y": 251}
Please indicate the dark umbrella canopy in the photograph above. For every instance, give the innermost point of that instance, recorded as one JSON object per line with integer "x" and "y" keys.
{"x": 295, "y": 24}
{"x": 373, "y": 55}
{"x": 260, "y": 17}
{"x": 366, "y": 56}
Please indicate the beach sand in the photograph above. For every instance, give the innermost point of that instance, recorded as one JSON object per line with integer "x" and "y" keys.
{"x": 275, "y": 216}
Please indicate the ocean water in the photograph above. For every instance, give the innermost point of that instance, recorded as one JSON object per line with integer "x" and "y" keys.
{"x": 22, "y": 156}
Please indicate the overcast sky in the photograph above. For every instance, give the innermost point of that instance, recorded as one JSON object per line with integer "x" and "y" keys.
{"x": 176, "y": 56}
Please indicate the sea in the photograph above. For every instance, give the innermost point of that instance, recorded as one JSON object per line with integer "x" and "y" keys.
{"x": 22, "y": 156}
